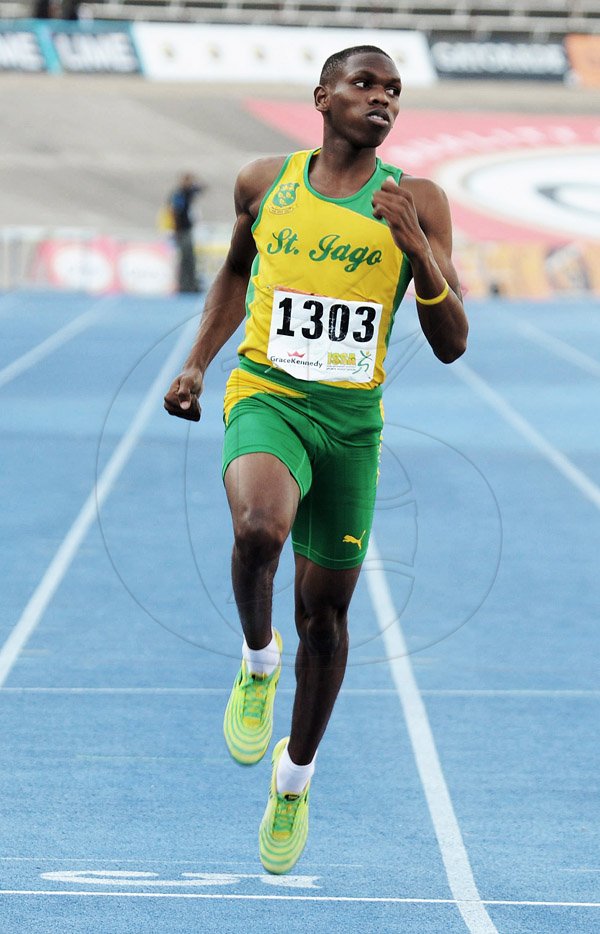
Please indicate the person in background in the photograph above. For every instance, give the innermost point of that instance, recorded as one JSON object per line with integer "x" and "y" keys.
{"x": 56, "y": 9}
{"x": 180, "y": 203}
{"x": 70, "y": 9}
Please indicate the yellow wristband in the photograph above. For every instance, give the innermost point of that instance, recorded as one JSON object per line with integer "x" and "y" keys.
{"x": 438, "y": 298}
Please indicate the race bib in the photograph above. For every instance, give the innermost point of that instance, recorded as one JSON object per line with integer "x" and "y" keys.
{"x": 317, "y": 338}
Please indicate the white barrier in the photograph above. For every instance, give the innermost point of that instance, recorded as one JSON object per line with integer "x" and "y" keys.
{"x": 79, "y": 259}
{"x": 285, "y": 54}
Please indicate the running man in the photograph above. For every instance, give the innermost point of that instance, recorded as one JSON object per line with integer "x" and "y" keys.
{"x": 323, "y": 249}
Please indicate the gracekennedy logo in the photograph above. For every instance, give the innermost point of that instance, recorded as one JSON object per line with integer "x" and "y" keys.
{"x": 330, "y": 247}
{"x": 297, "y": 360}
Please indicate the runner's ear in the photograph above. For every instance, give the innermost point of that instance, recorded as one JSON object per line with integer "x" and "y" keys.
{"x": 321, "y": 95}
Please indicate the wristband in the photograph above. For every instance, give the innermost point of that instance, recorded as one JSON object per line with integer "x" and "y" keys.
{"x": 438, "y": 298}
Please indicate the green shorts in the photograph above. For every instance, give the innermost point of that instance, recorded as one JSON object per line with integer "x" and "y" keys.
{"x": 330, "y": 441}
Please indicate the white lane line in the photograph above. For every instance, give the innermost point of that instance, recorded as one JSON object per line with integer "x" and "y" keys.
{"x": 229, "y": 863}
{"x": 450, "y": 841}
{"x": 52, "y": 343}
{"x": 233, "y": 895}
{"x": 298, "y": 898}
{"x": 558, "y": 460}
{"x": 558, "y": 347}
{"x": 68, "y": 548}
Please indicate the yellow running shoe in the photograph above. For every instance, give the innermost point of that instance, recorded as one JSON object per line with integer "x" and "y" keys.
{"x": 248, "y": 721}
{"x": 284, "y": 827}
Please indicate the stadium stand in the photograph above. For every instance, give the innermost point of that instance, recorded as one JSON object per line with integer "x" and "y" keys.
{"x": 481, "y": 19}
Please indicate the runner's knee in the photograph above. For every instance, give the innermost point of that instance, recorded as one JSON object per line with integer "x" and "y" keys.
{"x": 323, "y": 633}
{"x": 259, "y": 537}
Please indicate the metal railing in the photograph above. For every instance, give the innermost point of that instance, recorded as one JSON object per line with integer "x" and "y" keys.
{"x": 477, "y": 18}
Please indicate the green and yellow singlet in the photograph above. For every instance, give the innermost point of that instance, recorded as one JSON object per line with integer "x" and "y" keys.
{"x": 325, "y": 283}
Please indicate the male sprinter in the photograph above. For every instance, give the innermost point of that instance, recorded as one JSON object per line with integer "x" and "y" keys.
{"x": 324, "y": 246}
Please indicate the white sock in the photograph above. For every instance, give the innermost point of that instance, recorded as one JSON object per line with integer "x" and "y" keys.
{"x": 262, "y": 661}
{"x": 291, "y": 778}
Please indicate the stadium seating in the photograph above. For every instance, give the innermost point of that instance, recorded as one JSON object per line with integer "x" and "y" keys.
{"x": 537, "y": 19}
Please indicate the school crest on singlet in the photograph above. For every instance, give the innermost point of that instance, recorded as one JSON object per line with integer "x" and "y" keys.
{"x": 284, "y": 197}
{"x": 326, "y": 281}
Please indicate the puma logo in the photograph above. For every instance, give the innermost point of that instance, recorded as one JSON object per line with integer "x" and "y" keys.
{"x": 355, "y": 541}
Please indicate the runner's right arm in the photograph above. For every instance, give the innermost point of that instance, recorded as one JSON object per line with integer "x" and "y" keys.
{"x": 224, "y": 308}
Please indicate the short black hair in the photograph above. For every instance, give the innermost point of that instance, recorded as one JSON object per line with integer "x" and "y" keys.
{"x": 338, "y": 59}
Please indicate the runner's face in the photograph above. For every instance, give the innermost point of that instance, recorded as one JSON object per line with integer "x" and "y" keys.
{"x": 363, "y": 99}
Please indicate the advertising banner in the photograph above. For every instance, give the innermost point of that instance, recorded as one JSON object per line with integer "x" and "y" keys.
{"x": 21, "y": 48}
{"x": 584, "y": 55}
{"x": 105, "y": 264}
{"x": 495, "y": 59}
{"x": 205, "y": 52}
{"x": 94, "y": 48}
{"x": 73, "y": 47}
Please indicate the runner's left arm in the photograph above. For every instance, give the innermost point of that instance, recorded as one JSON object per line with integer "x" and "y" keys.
{"x": 418, "y": 216}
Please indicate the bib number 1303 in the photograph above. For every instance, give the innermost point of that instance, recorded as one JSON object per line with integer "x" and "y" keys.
{"x": 335, "y": 319}
{"x": 314, "y": 337}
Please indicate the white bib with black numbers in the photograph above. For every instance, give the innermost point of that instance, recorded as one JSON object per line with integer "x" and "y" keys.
{"x": 313, "y": 337}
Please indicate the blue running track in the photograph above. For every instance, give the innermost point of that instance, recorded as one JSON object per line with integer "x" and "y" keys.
{"x": 457, "y": 785}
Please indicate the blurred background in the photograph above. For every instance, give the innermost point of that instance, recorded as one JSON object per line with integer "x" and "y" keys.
{"x": 105, "y": 105}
